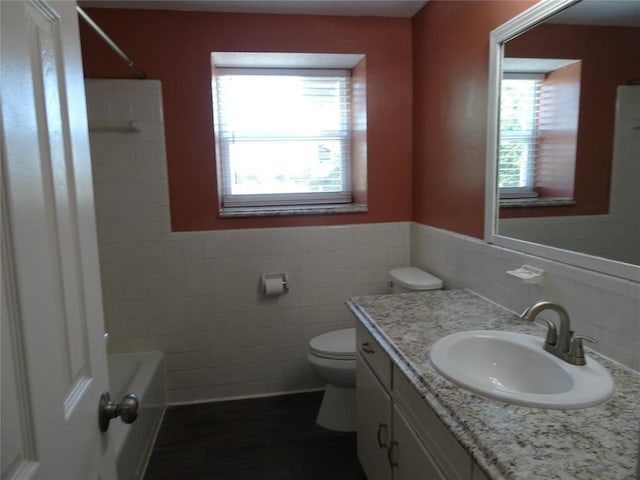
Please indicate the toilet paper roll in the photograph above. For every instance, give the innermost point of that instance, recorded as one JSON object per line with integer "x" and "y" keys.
{"x": 273, "y": 286}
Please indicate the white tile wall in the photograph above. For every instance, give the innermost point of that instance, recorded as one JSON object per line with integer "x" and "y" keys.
{"x": 603, "y": 307}
{"x": 196, "y": 295}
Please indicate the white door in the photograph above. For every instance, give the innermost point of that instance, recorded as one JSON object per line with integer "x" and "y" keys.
{"x": 53, "y": 351}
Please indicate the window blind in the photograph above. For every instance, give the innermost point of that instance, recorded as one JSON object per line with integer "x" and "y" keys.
{"x": 283, "y": 136}
{"x": 519, "y": 111}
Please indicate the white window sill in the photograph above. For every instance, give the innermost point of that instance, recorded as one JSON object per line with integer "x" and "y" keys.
{"x": 289, "y": 210}
{"x": 536, "y": 202}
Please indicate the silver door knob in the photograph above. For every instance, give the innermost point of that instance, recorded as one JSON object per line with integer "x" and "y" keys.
{"x": 127, "y": 410}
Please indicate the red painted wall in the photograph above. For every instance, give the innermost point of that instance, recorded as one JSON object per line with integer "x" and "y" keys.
{"x": 610, "y": 57}
{"x": 174, "y": 47}
{"x": 450, "y": 58}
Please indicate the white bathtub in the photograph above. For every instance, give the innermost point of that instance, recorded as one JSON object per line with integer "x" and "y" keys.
{"x": 144, "y": 375}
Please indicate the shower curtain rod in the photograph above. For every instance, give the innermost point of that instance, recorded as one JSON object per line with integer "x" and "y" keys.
{"x": 111, "y": 43}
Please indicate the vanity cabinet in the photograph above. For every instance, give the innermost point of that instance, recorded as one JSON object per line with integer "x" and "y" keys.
{"x": 408, "y": 456}
{"x": 399, "y": 436}
{"x": 373, "y": 423}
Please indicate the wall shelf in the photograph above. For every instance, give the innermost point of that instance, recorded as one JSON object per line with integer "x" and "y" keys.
{"x": 113, "y": 127}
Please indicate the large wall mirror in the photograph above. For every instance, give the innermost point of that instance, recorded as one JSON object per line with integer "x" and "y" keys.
{"x": 563, "y": 147}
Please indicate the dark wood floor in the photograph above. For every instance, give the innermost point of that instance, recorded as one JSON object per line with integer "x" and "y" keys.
{"x": 274, "y": 438}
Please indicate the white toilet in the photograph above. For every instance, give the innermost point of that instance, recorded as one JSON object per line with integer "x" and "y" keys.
{"x": 332, "y": 355}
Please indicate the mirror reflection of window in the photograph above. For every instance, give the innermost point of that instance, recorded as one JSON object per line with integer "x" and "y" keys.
{"x": 539, "y": 109}
{"x": 518, "y": 135}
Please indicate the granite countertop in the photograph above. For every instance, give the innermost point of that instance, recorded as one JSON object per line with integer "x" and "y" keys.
{"x": 506, "y": 441}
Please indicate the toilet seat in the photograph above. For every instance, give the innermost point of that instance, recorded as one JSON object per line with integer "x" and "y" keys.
{"x": 335, "y": 345}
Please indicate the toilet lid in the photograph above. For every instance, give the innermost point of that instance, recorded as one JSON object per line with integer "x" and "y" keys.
{"x": 415, "y": 279}
{"x": 338, "y": 344}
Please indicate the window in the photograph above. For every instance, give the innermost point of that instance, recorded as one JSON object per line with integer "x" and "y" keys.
{"x": 518, "y": 135}
{"x": 283, "y": 136}
{"x": 539, "y": 113}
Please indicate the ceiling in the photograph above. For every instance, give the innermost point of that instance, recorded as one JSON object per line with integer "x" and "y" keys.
{"x": 534, "y": 65}
{"x": 620, "y": 13}
{"x": 375, "y": 8}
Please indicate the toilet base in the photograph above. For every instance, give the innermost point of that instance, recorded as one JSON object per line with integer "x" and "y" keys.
{"x": 338, "y": 409}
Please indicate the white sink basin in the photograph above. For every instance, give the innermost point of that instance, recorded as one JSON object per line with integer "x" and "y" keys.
{"x": 514, "y": 368}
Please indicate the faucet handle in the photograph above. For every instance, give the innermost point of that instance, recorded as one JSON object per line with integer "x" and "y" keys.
{"x": 576, "y": 351}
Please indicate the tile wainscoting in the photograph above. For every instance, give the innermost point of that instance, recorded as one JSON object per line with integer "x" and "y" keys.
{"x": 197, "y": 295}
{"x": 603, "y": 307}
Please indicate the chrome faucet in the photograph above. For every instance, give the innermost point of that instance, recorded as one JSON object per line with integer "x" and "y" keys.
{"x": 560, "y": 341}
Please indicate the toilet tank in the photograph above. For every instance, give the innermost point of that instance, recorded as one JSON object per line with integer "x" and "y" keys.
{"x": 412, "y": 279}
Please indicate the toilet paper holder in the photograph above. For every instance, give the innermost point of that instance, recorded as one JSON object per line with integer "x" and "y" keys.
{"x": 275, "y": 283}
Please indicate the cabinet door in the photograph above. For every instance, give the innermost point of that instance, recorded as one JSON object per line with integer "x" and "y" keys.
{"x": 408, "y": 455}
{"x": 374, "y": 423}
{"x": 444, "y": 448}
